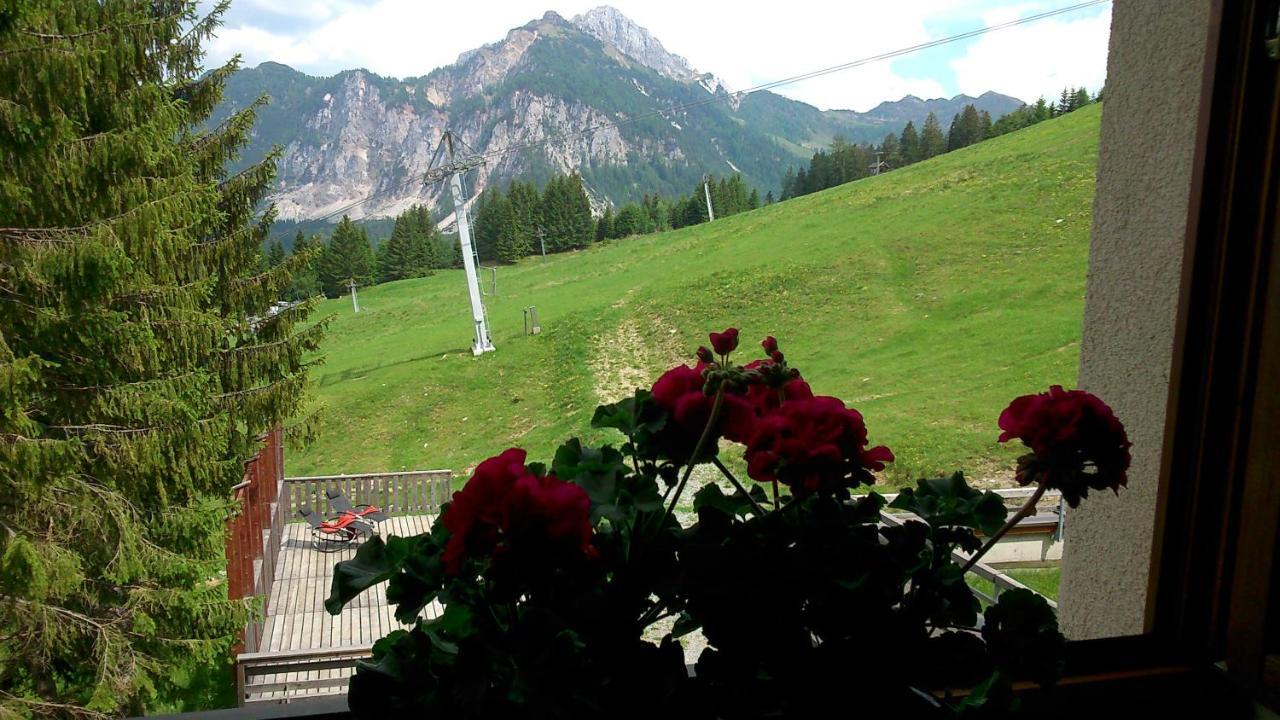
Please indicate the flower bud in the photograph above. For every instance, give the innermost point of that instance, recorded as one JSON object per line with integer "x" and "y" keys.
{"x": 704, "y": 355}
{"x": 725, "y": 342}
{"x": 770, "y": 345}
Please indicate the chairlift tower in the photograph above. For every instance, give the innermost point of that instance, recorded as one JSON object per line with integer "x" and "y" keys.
{"x": 452, "y": 170}
{"x": 706, "y": 191}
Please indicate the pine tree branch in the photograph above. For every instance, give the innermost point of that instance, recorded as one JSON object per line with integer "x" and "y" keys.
{"x": 49, "y": 709}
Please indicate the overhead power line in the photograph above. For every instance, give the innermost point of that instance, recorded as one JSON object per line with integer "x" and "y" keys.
{"x": 681, "y": 107}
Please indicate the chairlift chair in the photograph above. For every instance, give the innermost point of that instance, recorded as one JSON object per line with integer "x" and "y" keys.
{"x": 333, "y": 535}
{"x": 365, "y": 512}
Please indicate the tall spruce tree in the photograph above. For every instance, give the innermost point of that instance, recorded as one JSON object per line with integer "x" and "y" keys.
{"x": 495, "y": 227}
{"x": 524, "y": 209}
{"x": 892, "y": 151}
{"x": 581, "y": 224}
{"x": 932, "y": 141}
{"x": 1080, "y": 98}
{"x": 134, "y": 380}
{"x": 275, "y": 254}
{"x": 349, "y": 257}
{"x": 410, "y": 252}
{"x": 910, "y": 144}
{"x": 605, "y": 225}
{"x": 984, "y": 126}
{"x": 306, "y": 279}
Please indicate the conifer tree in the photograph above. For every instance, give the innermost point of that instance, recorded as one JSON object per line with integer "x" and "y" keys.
{"x": 631, "y": 220}
{"x": 306, "y": 278}
{"x": 932, "y": 142}
{"x": 134, "y": 379}
{"x": 411, "y": 250}
{"x": 275, "y": 254}
{"x": 1080, "y": 98}
{"x": 524, "y": 208}
{"x": 768, "y": 198}
{"x": 753, "y": 201}
{"x": 604, "y": 226}
{"x": 348, "y": 257}
{"x": 892, "y": 150}
{"x": 1064, "y": 102}
{"x": 553, "y": 210}
{"x": 910, "y": 144}
{"x": 580, "y": 222}
{"x": 789, "y": 183}
{"x": 984, "y": 126}
{"x": 424, "y": 241}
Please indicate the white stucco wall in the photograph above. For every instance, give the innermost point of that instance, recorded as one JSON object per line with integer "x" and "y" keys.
{"x": 1154, "y": 71}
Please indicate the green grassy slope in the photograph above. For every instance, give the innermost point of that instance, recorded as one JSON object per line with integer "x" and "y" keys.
{"x": 927, "y": 298}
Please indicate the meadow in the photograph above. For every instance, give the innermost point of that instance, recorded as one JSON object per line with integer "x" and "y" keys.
{"x": 926, "y": 297}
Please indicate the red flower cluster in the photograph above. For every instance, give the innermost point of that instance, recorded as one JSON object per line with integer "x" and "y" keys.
{"x": 1077, "y": 443}
{"x": 792, "y": 437}
{"x": 504, "y": 504}
{"x": 813, "y": 444}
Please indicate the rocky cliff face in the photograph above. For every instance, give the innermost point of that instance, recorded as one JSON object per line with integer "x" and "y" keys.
{"x": 614, "y": 29}
{"x": 593, "y": 95}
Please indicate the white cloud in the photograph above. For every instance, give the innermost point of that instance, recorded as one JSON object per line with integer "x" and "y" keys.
{"x": 745, "y": 43}
{"x": 1037, "y": 59}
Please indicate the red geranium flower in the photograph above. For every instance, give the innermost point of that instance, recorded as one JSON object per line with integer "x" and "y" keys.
{"x": 814, "y": 444}
{"x": 742, "y": 412}
{"x": 1076, "y": 442}
{"x": 505, "y": 502}
{"x": 725, "y": 342}
{"x": 681, "y": 392}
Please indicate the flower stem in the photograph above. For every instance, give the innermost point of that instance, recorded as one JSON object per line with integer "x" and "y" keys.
{"x": 1027, "y": 508}
{"x": 707, "y": 432}
{"x": 725, "y": 471}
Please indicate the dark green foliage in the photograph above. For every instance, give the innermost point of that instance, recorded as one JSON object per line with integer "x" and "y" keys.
{"x": 412, "y": 249}
{"x": 966, "y": 129}
{"x": 932, "y": 141}
{"x": 605, "y": 225}
{"x": 910, "y": 144}
{"x": 525, "y": 207}
{"x": 275, "y": 254}
{"x": 348, "y": 257}
{"x": 631, "y": 220}
{"x": 496, "y": 236}
{"x": 135, "y": 372}
{"x": 566, "y": 214}
{"x": 306, "y": 281}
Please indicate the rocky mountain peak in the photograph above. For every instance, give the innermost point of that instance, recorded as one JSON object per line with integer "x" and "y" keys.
{"x": 608, "y": 25}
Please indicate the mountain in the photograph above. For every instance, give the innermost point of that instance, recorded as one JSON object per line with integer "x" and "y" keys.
{"x": 593, "y": 94}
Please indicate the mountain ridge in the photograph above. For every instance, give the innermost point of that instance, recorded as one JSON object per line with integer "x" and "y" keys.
{"x": 598, "y": 95}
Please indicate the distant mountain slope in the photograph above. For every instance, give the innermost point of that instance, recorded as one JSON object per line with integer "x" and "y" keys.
{"x": 544, "y": 88}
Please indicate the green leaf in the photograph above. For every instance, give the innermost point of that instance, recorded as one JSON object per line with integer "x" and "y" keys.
{"x": 371, "y": 565}
{"x": 626, "y": 415}
{"x": 950, "y": 502}
{"x": 711, "y": 497}
{"x": 1022, "y": 632}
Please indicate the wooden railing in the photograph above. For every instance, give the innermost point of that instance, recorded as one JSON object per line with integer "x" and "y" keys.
{"x": 419, "y": 492}
{"x": 253, "y": 533}
{"x": 283, "y": 675}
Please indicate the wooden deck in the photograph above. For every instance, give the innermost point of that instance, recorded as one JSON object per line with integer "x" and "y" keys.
{"x": 298, "y": 632}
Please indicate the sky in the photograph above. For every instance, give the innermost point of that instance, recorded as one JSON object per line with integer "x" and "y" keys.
{"x": 745, "y": 43}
